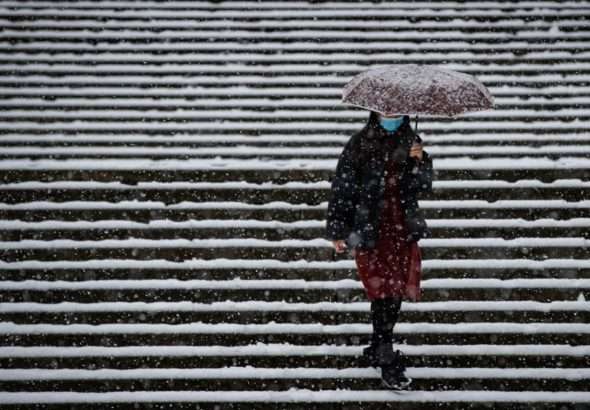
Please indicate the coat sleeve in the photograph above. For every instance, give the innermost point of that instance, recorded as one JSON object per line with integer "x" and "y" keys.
{"x": 343, "y": 196}
{"x": 421, "y": 182}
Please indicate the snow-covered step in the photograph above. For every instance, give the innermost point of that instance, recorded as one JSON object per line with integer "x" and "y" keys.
{"x": 564, "y": 43}
{"x": 538, "y": 293}
{"x": 560, "y": 271}
{"x": 274, "y": 5}
{"x": 573, "y": 374}
{"x": 290, "y": 284}
{"x": 513, "y": 276}
{"x": 436, "y": 287}
{"x": 357, "y": 399}
{"x": 285, "y": 249}
{"x": 432, "y": 292}
{"x": 545, "y": 168}
{"x": 249, "y": 152}
{"x": 282, "y": 306}
{"x": 538, "y": 104}
{"x": 501, "y": 24}
{"x": 563, "y": 274}
{"x": 511, "y": 379}
{"x": 462, "y": 163}
{"x": 253, "y": 311}
{"x": 490, "y": 185}
{"x": 510, "y": 28}
{"x": 113, "y": 334}
{"x": 556, "y": 90}
{"x": 548, "y": 204}
{"x": 259, "y": 127}
{"x": 266, "y": 355}
{"x": 311, "y": 193}
{"x": 275, "y": 230}
{"x": 35, "y": 184}
{"x": 506, "y": 57}
{"x": 278, "y": 7}
{"x": 433, "y": 133}
{"x": 286, "y": 350}
{"x": 446, "y": 40}
{"x": 350, "y": 69}
{"x": 284, "y": 226}
{"x": 498, "y": 114}
{"x": 242, "y": 12}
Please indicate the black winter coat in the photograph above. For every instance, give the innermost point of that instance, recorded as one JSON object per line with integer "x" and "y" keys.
{"x": 356, "y": 196}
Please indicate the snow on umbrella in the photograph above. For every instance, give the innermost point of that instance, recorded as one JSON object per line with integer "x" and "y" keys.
{"x": 416, "y": 89}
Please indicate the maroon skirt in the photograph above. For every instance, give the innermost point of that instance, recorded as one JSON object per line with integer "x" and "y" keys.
{"x": 394, "y": 266}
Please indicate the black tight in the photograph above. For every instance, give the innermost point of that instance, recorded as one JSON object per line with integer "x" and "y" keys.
{"x": 384, "y": 315}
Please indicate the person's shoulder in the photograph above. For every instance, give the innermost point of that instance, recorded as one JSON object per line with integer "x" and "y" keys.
{"x": 352, "y": 140}
{"x": 356, "y": 136}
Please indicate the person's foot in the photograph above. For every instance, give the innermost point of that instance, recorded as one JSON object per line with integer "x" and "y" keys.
{"x": 393, "y": 374}
{"x": 394, "y": 379}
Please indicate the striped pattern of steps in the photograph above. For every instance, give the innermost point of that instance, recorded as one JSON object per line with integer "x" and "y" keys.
{"x": 165, "y": 169}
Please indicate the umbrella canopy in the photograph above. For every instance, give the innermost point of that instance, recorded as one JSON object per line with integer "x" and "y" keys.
{"x": 416, "y": 89}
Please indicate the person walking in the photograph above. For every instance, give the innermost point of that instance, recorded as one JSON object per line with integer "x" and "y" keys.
{"x": 373, "y": 212}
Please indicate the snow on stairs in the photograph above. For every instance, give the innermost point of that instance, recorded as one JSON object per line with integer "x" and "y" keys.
{"x": 165, "y": 170}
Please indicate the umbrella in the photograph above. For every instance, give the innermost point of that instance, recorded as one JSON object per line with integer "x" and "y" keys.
{"x": 417, "y": 89}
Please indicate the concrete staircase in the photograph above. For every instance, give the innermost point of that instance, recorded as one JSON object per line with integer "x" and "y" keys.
{"x": 165, "y": 168}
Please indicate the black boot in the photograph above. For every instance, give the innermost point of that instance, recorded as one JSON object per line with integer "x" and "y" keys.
{"x": 393, "y": 374}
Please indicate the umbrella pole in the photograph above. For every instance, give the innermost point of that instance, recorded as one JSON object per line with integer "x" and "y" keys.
{"x": 416, "y": 125}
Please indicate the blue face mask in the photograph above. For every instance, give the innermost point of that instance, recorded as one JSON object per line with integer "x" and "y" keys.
{"x": 391, "y": 124}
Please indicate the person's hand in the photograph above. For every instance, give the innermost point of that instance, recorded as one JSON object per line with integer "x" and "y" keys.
{"x": 339, "y": 245}
{"x": 416, "y": 151}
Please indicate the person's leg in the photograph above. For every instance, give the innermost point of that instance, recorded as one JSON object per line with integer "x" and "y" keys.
{"x": 385, "y": 322}
{"x": 376, "y": 321}
{"x": 390, "y": 313}
{"x": 384, "y": 314}
{"x": 391, "y": 362}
